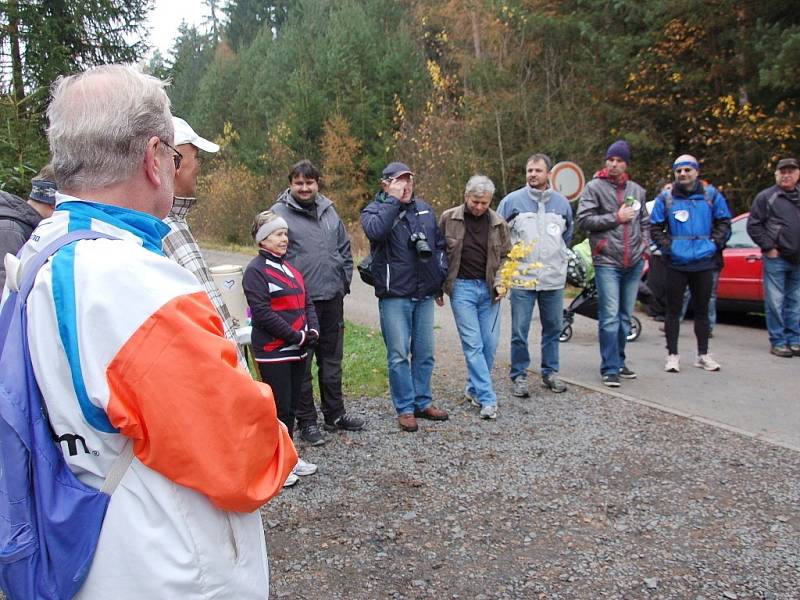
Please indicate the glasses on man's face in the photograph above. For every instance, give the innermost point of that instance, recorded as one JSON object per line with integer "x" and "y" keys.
{"x": 177, "y": 157}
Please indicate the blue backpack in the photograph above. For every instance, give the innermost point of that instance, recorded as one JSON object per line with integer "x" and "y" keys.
{"x": 49, "y": 521}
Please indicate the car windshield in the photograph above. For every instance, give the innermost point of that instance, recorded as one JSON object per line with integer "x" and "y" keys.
{"x": 739, "y": 237}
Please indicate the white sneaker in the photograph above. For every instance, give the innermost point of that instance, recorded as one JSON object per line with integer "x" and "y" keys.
{"x": 704, "y": 361}
{"x": 489, "y": 412}
{"x": 673, "y": 363}
{"x": 291, "y": 480}
{"x": 471, "y": 399}
{"x": 303, "y": 468}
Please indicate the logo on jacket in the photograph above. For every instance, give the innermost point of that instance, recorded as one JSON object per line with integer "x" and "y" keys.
{"x": 72, "y": 440}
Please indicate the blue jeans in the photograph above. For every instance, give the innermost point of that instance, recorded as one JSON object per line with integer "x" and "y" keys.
{"x": 478, "y": 321}
{"x": 712, "y": 301}
{"x": 616, "y": 296}
{"x": 551, "y": 312}
{"x": 407, "y": 328}
{"x": 782, "y": 301}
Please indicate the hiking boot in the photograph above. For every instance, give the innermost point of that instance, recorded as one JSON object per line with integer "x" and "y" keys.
{"x": 782, "y": 351}
{"x": 673, "y": 364}
{"x": 704, "y": 361}
{"x": 553, "y": 383}
{"x": 795, "y": 348}
{"x": 407, "y": 422}
{"x": 611, "y": 380}
{"x": 312, "y": 435}
{"x": 489, "y": 412}
{"x": 626, "y": 373}
{"x": 303, "y": 468}
{"x": 432, "y": 414}
{"x": 345, "y": 423}
{"x": 291, "y": 480}
{"x": 520, "y": 389}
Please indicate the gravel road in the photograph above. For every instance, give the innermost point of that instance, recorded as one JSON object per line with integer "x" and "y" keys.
{"x": 573, "y": 496}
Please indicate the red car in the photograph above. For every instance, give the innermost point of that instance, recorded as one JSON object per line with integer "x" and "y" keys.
{"x": 740, "y": 286}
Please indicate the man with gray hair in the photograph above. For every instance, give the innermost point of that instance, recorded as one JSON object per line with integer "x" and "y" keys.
{"x": 478, "y": 241}
{"x": 128, "y": 353}
{"x": 541, "y": 227}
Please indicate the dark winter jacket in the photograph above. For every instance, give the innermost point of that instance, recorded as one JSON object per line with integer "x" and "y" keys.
{"x": 614, "y": 244}
{"x": 281, "y": 310}
{"x": 17, "y": 221}
{"x": 319, "y": 246}
{"x": 776, "y": 224}
{"x": 690, "y": 227}
{"x": 398, "y": 270}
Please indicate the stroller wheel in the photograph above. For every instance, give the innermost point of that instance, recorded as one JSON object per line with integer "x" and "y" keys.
{"x": 636, "y": 329}
{"x": 566, "y": 334}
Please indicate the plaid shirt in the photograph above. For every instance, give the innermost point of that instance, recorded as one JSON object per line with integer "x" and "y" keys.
{"x": 179, "y": 244}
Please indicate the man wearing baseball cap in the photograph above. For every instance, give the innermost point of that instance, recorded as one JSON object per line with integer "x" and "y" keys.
{"x": 409, "y": 266}
{"x": 179, "y": 244}
{"x": 774, "y": 225}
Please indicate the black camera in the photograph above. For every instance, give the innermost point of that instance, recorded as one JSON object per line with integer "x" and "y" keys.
{"x": 419, "y": 242}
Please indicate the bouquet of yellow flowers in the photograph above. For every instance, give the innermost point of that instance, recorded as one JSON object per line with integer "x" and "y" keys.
{"x": 514, "y": 269}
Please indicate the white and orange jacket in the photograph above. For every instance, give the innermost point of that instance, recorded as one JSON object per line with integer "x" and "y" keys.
{"x": 126, "y": 344}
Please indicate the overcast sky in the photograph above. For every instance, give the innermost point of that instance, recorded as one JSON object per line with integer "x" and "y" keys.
{"x": 167, "y": 16}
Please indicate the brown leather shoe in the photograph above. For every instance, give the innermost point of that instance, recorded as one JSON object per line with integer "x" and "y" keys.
{"x": 432, "y": 413}
{"x": 407, "y": 422}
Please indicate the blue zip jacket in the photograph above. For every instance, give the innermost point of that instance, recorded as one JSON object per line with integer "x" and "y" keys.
{"x": 398, "y": 270}
{"x": 689, "y": 227}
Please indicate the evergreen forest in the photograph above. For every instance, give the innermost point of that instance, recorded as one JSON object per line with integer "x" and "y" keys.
{"x": 451, "y": 87}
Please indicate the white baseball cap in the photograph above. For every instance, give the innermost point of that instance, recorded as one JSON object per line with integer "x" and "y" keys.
{"x": 184, "y": 134}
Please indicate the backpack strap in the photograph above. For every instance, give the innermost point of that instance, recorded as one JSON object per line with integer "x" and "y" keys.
{"x": 123, "y": 460}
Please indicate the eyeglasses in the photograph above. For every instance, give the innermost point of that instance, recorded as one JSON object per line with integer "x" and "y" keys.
{"x": 177, "y": 157}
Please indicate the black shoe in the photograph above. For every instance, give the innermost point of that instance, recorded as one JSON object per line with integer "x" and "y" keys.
{"x": 782, "y": 351}
{"x": 553, "y": 383}
{"x": 658, "y": 318}
{"x": 611, "y": 380}
{"x": 346, "y": 423}
{"x": 312, "y": 435}
{"x": 626, "y": 373}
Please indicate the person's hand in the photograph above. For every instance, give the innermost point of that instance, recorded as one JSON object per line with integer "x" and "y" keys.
{"x": 773, "y": 253}
{"x": 312, "y": 337}
{"x": 397, "y": 188}
{"x": 439, "y": 300}
{"x": 626, "y": 213}
{"x": 500, "y": 291}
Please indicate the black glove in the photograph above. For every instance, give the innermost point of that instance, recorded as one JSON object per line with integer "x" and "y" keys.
{"x": 312, "y": 337}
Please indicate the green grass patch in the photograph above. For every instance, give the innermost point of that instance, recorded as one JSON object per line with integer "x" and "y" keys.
{"x": 364, "y": 365}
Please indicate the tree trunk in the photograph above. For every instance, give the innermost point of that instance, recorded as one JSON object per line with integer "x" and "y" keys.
{"x": 16, "y": 56}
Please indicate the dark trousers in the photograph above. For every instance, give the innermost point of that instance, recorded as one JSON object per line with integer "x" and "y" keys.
{"x": 286, "y": 381}
{"x": 328, "y": 352}
{"x": 700, "y": 284}
{"x": 656, "y": 280}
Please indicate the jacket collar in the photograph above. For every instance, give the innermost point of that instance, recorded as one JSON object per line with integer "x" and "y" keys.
{"x": 494, "y": 218}
{"x": 321, "y": 202}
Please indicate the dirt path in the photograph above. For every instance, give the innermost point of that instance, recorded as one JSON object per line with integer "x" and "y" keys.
{"x": 571, "y": 496}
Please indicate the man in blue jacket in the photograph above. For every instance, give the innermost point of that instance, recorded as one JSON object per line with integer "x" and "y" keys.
{"x": 409, "y": 266}
{"x": 690, "y": 225}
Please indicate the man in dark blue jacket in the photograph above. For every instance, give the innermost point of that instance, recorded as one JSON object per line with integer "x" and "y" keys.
{"x": 409, "y": 266}
{"x": 774, "y": 225}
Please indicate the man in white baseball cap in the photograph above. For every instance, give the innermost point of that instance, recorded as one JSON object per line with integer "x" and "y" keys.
{"x": 179, "y": 244}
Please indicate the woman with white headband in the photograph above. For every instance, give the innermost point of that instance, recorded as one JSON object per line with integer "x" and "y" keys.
{"x": 283, "y": 319}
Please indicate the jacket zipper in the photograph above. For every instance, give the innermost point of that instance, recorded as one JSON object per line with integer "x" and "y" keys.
{"x": 625, "y": 231}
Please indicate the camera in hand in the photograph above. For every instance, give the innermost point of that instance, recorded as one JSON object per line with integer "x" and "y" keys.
{"x": 419, "y": 242}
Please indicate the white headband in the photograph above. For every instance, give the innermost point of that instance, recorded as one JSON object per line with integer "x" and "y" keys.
{"x": 270, "y": 226}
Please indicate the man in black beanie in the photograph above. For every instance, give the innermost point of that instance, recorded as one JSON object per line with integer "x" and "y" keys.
{"x": 611, "y": 210}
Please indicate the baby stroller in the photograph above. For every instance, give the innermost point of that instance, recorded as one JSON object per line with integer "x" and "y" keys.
{"x": 581, "y": 275}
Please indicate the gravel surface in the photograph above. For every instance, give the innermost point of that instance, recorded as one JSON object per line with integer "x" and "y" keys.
{"x": 577, "y": 495}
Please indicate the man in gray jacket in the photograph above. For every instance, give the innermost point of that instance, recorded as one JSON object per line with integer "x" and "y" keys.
{"x": 611, "y": 210}
{"x": 541, "y": 226}
{"x": 319, "y": 247}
